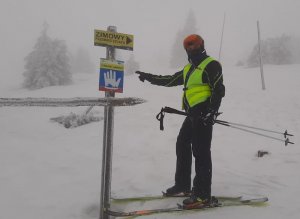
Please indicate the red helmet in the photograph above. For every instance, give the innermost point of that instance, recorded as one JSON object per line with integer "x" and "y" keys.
{"x": 193, "y": 42}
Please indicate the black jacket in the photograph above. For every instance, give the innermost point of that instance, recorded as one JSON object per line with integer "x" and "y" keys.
{"x": 212, "y": 75}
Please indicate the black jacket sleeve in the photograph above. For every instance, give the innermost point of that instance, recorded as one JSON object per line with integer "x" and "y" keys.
{"x": 166, "y": 80}
{"x": 214, "y": 77}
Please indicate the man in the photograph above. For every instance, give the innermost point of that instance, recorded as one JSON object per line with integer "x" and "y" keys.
{"x": 202, "y": 94}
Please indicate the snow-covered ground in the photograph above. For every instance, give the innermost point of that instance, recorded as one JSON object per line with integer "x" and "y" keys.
{"x": 50, "y": 172}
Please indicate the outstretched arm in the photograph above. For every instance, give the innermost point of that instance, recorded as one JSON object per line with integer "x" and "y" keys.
{"x": 162, "y": 80}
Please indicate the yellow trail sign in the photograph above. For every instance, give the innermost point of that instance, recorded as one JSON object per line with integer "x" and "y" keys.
{"x": 117, "y": 40}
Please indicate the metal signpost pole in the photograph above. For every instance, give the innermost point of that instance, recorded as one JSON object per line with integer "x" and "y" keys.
{"x": 107, "y": 144}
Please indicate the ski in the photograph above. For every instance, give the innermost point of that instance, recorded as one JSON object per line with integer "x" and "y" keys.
{"x": 180, "y": 208}
{"x": 164, "y": 196}
{"x": 141, "y": 212}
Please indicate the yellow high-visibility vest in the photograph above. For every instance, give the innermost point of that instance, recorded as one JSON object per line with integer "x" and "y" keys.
{"x": 195, "y": 90}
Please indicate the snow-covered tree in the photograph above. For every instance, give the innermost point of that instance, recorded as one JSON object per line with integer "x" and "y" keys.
{"x": 131, "y": 65}
{"x": 81, "y": 62}
{"x": 47, "y": 64}
{"x": 178, "y": 55}
{"x": 277, "y": 51}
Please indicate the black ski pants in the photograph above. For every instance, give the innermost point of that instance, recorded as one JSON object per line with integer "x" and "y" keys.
{"x": 194, "y": 139}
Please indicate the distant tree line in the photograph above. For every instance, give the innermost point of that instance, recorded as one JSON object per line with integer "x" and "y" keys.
{"x": 277, "y": 51}
{"x": 50, "y": 63}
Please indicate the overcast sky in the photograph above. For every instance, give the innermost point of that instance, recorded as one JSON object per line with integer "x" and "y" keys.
{"x": 153, "y": 23}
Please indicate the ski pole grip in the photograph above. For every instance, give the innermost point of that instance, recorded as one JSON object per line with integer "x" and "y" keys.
{"x": 160, "y": 117}
{"x": 287, "y": 134}
{"x": 161, "y": 125}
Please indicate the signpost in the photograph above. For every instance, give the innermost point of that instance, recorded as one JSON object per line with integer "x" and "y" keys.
{"x": 116, "y": 40}
{"x": 110, "y": 80}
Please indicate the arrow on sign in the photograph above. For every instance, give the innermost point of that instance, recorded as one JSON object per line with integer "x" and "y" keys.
{"x": 128, "y": 40}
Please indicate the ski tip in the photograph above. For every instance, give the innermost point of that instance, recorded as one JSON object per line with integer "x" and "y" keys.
{"x": 255, "y": 200}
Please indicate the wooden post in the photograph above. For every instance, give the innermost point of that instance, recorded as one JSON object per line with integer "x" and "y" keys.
{"x": 260, "y": 58}
{"x": 222, "y": 38}
{"x": 107, "y": 144}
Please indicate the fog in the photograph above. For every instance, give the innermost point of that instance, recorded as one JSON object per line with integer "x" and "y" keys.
{"x": 154, "y": 25}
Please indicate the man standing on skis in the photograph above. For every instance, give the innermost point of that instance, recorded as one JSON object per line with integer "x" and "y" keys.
{"x": 203, "y": 91}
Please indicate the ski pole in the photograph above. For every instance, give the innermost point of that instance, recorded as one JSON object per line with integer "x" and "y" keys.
{"x": 285, "y": 134}
{"x": 286, "y": 141}
{"x": 160, "y": 117}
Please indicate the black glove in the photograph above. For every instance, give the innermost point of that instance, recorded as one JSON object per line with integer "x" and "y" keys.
{"x": 210, "y": 117}
{"x": 143, "y": 76}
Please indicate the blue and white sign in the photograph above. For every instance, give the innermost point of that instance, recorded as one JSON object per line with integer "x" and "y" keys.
{"x": 111, "y": 75}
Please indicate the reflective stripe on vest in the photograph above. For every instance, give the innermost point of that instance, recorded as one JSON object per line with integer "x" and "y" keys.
{"x": 195, "y": 90}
